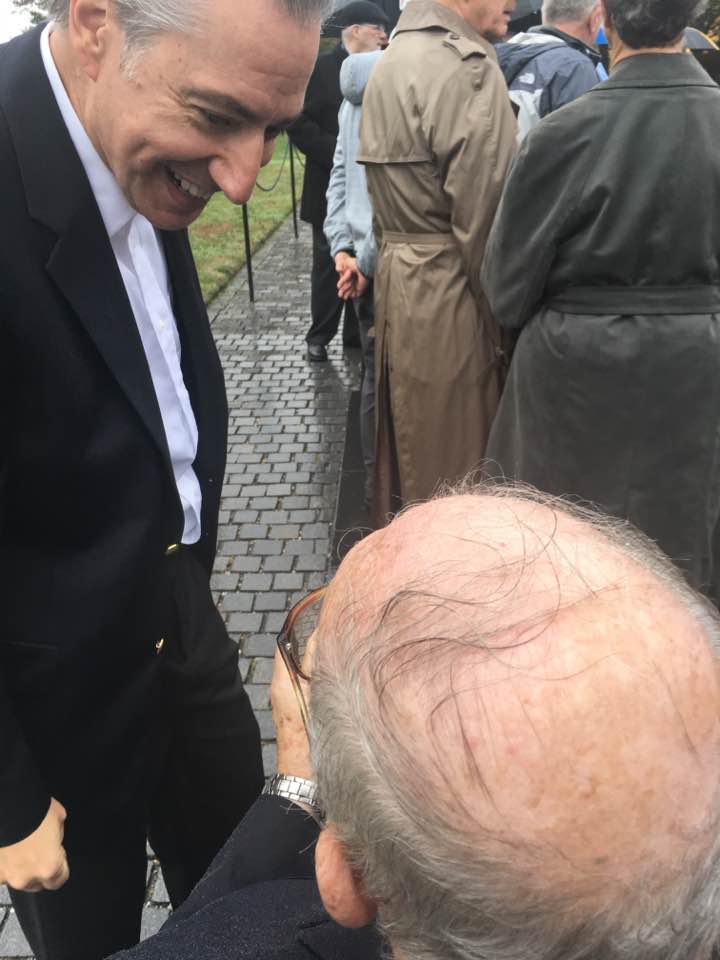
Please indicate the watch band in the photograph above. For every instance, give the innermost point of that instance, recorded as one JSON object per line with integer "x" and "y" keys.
{"x": 292, "y": 788}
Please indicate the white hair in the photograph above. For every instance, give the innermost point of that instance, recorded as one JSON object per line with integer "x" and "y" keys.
{"x": 143, "y": 20}
{"x": 444, "y": 894}
{"x": 566, "y": 11}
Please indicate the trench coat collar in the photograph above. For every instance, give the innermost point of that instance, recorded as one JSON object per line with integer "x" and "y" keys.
{"x": 82, "y": 263}
{"x": 659, "y": 70}
{"x": 427, "y": 15}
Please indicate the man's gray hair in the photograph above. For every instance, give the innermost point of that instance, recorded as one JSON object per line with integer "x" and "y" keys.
{"x": 566, "y": 11}
{"x": 449, "y": 893}
{"x": 143, "y": 20}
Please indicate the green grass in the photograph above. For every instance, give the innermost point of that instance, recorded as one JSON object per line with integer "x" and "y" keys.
{"x": 217, "y": 236}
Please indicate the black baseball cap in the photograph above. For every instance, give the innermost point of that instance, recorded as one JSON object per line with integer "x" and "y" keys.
{"x": 358, "y": 11}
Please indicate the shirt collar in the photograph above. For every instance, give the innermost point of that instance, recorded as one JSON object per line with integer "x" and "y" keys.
{"x": 115, "y": 211}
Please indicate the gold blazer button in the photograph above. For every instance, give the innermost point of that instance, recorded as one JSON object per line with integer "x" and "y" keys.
{"x": 173, "y": 548}
{"x": 159, "y": 645}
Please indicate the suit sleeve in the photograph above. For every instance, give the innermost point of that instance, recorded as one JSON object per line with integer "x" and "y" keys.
{"x": 24, "y": 798}
{"x": 536, "y": 209}
{"x": 307, "y": 132}
{"x": 275, "y": 840}
{"x": 472, "y": 155}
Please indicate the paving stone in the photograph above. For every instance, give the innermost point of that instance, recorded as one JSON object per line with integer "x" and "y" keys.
{"x": 260, "y": 645}
{"x": 281, "y": 564}
{"x": 246, "y": 564}
{"x": 12, "y": 939}
{"x": 257, "y": 581}
{"x": 314, "y": 561}
{"x": 160, "y": 894}
{"x": 224, "y": 581}
{"x": 269, "y": 755}
{"x": 152, "y": 919}
{"x": 271, "y": 601}
{"x": 237, "y": 602}
{"x": 259, "y": 694}
{"x": 262, "y": 670}
{"x": 244, "y": 664}
{"x": 288, "y": 581}
{"x": 244, "y": 622}
{"x": 266, "y": 548}
{"x": 265, "y": 722}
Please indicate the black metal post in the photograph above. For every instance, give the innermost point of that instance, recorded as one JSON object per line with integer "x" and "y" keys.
{"x": 248, "y": 253}
{"x": 293, "y": 189}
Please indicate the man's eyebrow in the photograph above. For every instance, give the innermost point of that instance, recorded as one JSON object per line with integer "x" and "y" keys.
{"x": 229, "y": 105}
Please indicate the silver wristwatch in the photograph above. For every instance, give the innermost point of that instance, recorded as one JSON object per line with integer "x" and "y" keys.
{"x": 293, "y": 788}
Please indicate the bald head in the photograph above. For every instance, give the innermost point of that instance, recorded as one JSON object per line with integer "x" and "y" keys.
{"x": 535, "y": 701}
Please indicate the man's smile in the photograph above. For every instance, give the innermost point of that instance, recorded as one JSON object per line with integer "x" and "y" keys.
{"x": 187, "y": 186}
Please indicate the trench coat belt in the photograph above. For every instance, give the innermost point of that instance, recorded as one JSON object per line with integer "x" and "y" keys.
{"x": 429, "y": 239}
{"x": 648, "y": 300}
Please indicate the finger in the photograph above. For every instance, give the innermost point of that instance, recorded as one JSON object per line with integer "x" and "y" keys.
{"x": 59, "y": 877}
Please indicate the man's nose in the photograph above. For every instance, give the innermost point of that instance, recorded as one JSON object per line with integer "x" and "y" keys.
{"x": 236, "y": 168}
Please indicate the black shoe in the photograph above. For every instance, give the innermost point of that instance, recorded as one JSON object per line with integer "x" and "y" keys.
{"x": 316, "y": 352}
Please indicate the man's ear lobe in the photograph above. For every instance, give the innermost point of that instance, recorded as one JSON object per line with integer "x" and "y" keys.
{"x": 88, "y": 28}
{"x": 340, "y": 888}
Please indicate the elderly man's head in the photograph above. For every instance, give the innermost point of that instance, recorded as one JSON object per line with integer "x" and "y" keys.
{"x": 516, "y": 734}
{"x": 182, "y": 98}
{"x": 579, "y": 18}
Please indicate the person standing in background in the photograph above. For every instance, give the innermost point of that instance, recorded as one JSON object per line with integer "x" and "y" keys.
{"x": 348, "y": 230}
{"x": 363, "y": 27}
{"x": 436, "y": 137}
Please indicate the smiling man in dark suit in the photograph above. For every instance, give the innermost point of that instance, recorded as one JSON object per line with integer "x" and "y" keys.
{"x": 121, "y": 706}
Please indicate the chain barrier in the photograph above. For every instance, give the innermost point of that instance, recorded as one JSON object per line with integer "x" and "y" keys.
{"x": 280, "y": 171}
{"x": 291, "y": 154}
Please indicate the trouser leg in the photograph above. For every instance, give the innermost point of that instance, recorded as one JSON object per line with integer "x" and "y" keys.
{"x": 325, "y": 306}
{"x": 97, "y": 912}
{"x": 365, "y": 314}
{"x": 213, "y": 770}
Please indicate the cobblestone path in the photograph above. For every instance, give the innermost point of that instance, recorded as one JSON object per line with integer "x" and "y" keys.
{"x": 287, "y": 427}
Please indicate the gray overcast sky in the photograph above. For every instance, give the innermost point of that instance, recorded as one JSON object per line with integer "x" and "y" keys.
{"x": 12, "y": 21}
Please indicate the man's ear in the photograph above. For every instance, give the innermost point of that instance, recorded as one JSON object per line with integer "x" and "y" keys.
{"x": 341, "y": 890}
{"x": 89, "y": 22}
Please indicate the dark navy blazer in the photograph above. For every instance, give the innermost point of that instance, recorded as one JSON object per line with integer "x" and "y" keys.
{"x": 259, "y": 900}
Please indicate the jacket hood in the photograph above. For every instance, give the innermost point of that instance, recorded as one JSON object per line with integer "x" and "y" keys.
{"x": 355, "y": 73}
{"x": 513, "y": 56}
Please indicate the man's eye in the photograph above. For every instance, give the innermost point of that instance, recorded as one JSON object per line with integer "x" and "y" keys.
{"x": 215, "y": 120}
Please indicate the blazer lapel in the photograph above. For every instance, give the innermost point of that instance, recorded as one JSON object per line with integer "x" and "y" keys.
{"x": 84, "y": 268}
{"x": 82, "y": 263}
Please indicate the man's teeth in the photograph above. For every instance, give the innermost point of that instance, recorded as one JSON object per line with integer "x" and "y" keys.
{"x": 188, "y": 187}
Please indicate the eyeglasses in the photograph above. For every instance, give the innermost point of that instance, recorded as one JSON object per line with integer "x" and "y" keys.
{"x": 292, "y": 642}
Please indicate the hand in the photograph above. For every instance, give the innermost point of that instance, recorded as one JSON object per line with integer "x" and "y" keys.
{"x": 342, "y": 261}
{"x": 293, "y": 749}
{"x": 39, "y": 861}
{"x": 352, "y": 283}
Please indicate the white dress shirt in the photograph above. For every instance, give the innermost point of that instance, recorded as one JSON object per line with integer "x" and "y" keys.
{"x": 141, "y": 261}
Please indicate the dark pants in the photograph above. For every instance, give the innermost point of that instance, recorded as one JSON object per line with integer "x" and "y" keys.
{"x": 325, "y": 306}
{"x": 208, "y": 772}
{"x": 365, "y": 313}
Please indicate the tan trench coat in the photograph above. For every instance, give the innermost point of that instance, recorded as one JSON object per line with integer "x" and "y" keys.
{"x": 437, "y": 135}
